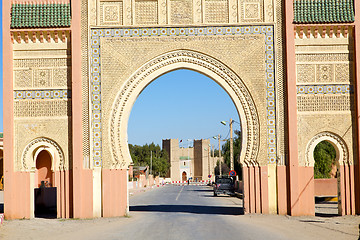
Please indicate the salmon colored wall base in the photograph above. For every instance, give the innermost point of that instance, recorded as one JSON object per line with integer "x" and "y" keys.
{"x": 306, "y": 191}
{"x": 326, "y": 187}
{"x": 246, "y": 195}
{"x": 347, "y": 198}
{"x": 114, "y": 193}
{"x": 255, "y": 189}
{"x": 264, "y": 190}
{"x": 17, "y": 198}
{"x": 86, "y": 194}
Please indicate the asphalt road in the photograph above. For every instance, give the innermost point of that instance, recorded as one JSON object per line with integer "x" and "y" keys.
{"x": 184, "y": 212}
{"x": 189, "y": 212}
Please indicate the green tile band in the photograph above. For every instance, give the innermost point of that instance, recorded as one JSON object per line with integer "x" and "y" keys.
{"x": 40, "y": 15}
{"x": 323, "y": 11}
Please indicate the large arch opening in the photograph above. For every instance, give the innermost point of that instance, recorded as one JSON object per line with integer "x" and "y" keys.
{"x": 184, "y": 129}
{"x": 183, "y": 59}
{"x": 228, "y": 80}
{"x": 173, "y": 113}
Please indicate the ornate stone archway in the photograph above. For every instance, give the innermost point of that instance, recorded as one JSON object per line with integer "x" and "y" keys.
{"x": 35, "y": 147}
{"x": 344, "y": 168}
{"x": 342, "y": 153}
{"x": 190, "y": 60}
{"x": 123, "y": 61}
{"x": 58, "y": 169}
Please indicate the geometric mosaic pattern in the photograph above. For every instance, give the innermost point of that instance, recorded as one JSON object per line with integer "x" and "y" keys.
{"x": 42, "y": 94}
{"x": 95, "y": 74}
{"x": 325, "y": 89}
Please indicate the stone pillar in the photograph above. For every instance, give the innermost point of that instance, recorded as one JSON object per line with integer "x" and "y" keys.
{"x": 82, "y": 179}
{"x": 292, "y": 161}
{"x": 357, "y": 103}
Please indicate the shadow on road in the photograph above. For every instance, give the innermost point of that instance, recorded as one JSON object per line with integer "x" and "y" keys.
{"x": 201, "y": 190}
{"x": 189, "y": 209}
{"x": 326, "y": 215}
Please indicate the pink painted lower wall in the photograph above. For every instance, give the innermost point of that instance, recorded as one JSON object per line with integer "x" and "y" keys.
{"x": 255, "y": 189}
{"x": 114, "y": 195}
{"x": 264, "y": 189}
{"x": 87, "y": 193}
{"x": 282, "y": 190}
{"x": 246, "y": 195}
{"x": 17, "y": 198}
{"x": 306, "y": 191}
{"x": 325, "y": 187}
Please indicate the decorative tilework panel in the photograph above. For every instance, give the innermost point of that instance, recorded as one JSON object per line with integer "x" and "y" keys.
{"x": 325, "y": 89}
{"x": 95, "y": 74}
{"x": 42, "y": 94}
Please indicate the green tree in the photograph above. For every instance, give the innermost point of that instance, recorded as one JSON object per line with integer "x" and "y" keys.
{"x": 324, "y": 156}
{"x": 141, "y": 156}
{"x": 237, "y": 150}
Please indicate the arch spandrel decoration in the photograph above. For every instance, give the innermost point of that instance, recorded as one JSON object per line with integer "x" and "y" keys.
{"x": 174, "y": 60}
{"x": 342, "y": 153}
{"x": 28, "y": 159}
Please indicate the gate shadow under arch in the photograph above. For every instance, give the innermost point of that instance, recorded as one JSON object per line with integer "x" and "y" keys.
{"x": 195, "y": 209}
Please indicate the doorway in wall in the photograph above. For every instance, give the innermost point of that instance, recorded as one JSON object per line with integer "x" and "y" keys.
{"x": 44, "y": 193}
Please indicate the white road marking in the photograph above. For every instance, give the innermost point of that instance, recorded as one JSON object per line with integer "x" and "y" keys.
{"x": 179, "y": 193}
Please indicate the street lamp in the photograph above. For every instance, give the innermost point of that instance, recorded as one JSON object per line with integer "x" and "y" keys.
{"x": 220, "y": 162}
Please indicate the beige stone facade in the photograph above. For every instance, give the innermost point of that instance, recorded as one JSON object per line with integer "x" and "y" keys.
{"x": 325, "y": 87}
{"x": 70, "y": 83}
{"x": 42, "y": 92}
{"x": 197, "y": 161}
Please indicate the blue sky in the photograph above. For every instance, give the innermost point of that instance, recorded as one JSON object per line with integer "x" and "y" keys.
{"x": 181, "y": 104}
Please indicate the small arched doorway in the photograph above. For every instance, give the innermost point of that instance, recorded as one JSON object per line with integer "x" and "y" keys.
{"x": 344, "y": 167}
{"x": 184, "y": 176}
{"x": 44, "y": 193}
{"x": 43, "y": 173}
{"x": 326, "y": 184}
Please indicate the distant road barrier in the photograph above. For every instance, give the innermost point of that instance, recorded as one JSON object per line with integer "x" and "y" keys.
{"x": 198, "y": 183}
